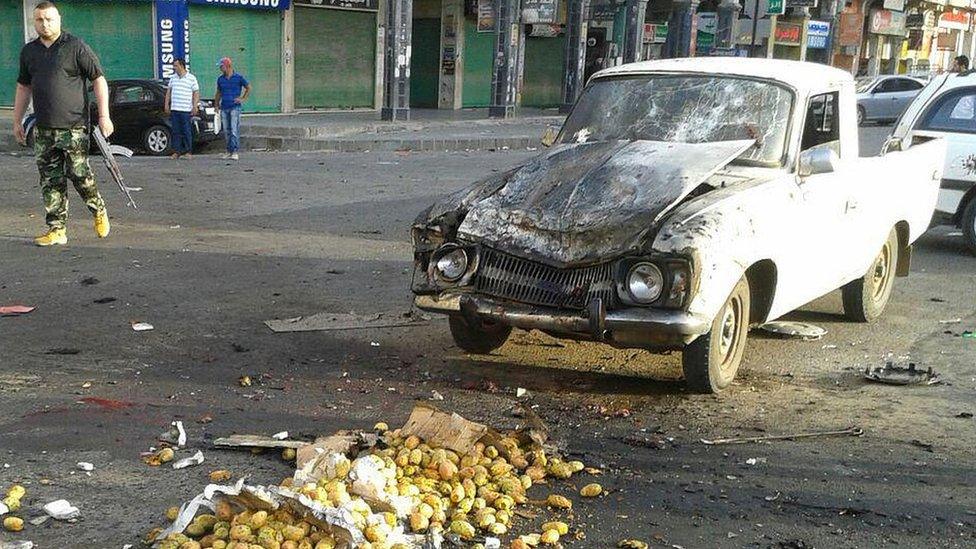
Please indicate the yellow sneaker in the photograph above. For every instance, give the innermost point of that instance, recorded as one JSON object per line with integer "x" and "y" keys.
{"x": 54, "y": 237}
{"x": 102, "y": 226}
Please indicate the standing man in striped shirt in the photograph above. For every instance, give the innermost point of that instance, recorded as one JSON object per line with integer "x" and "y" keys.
{"x": 182, "y": 99}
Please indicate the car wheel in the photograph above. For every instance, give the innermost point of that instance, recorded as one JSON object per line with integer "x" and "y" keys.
{"x": 865, "y": 298}
{"x": 157, "y": 140}
{"x": 861, "y": 115}
{"x": 969, "y": 225}
{"x": 711, "y": 361}
{"x": 480, "y": 338}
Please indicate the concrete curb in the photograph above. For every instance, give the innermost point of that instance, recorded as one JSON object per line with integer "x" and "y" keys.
{"x": 275, "y": 143}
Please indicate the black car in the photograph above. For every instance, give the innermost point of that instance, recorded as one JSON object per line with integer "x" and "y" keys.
{"x": 140, "y": 123}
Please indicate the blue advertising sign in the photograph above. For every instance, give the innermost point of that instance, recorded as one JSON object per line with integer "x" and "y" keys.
{"x": 172, "y": 35}
{"x": 280, "y": 5}
{"x": 817, "y": 34}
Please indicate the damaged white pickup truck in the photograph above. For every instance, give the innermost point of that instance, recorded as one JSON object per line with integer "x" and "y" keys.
{"x": 682, "y": 202}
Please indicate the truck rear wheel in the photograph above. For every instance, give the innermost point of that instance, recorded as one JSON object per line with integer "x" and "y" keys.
{"x": 866, "y": 298}
{"x": 711, "y": 361}
{"x": 969, "y": 225}
{"x": 478, "y": 338}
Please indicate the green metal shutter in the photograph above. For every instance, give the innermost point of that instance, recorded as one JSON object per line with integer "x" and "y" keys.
{"x": 425, "y": 44}
{"x": 120, "y": 33}
{"x": 252, "y": 38}
{"x": 335, "y": 58}
{"x": 11, "y": 42}
{"x": 542, "y": 83}
{"x": 478, "y": 55}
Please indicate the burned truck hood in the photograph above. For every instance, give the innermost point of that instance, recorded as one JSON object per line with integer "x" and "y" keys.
{"x": 586, "y": 202}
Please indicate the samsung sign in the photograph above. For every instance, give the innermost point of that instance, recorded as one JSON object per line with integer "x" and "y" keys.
{"x": 172, "y": 35}
{"x": 280, "y": 5}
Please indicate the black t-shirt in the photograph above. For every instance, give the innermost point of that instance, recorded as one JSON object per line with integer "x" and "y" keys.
{"x": 58, "y": 77}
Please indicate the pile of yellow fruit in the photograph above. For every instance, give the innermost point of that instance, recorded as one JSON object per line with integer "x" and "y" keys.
{"x": 434, "y": 490}
{"x": 12, "y": 501}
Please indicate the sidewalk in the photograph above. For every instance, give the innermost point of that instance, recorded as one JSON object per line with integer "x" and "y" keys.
{"x": 427, "y": 130}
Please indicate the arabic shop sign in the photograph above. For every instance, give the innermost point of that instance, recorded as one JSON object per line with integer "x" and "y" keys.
{"x": 280, "y": 5}
{"x": 655, "y": 33}
{"x": 887, "y": 22}
{"x": 775, "y": 7}
{"x": 788, "y": 34}
{"x": 539, "y": 11}
{"x": 817, "y": 33}
{"x": 707, "y": 25}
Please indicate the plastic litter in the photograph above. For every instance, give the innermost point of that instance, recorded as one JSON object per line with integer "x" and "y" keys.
{"x": 280, "y": 436}
{"x": 800, "y": 330}
{"x": 62, "y": 510}
{"x": 85, "y": 466}
{"x": 853, "y": 431}
{"x": 15, "y": 310}
{"x": 16, "y": 545}
{"x": 142, "y": 326}
{"x": 195, "y": 459}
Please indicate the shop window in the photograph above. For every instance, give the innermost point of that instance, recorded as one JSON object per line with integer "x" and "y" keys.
{"x": 821, "y": 126}
{"x": 953, "y": 112}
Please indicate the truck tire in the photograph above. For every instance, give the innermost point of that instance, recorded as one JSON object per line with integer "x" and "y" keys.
{"x": 969, "y": 225}
{"x": 711, "y": 361}
{"x": 479, "y": 339}
{"x": 866, "y": 298}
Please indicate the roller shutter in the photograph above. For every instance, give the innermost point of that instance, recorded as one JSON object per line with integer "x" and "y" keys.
{"x": 424, "y": 62}
{"x": 479, "y": 48}
{"x": 252, "y": 38}
{"x": 121, "y": 34}
{"x": 542, "y": 82}
{"x": 11, "y": 42}
{"x": 335, "y": 58}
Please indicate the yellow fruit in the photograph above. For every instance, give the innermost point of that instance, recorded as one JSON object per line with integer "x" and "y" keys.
{"x": 190, "y": 545}
{"x": 559, "y": 502}
{"x": 12, "y": 503}
{"x": 16, "y": 491}
{"x": 258, "y": 520}
{"x": 327, "y": 543}
{"x": 591, "y": 490}
{"x": 219, "y": 544}
{"x": 376, "y": 533}
{"x": 13, "y": 524}
{"x": 419, "y": 522}
{"x": 504, "y": 503}
{"x": 576, "y": 466}
{"x": 519, "y": 543}
{"x": 293, "y": 533}
{"x": 498, "y": 529}
{"x": 447, "y": 470}
{"x": 195, "y": 530}
{"x": 503, "y": 517}
{"x": 411, "y": 442}
{"x": 165, "y": 455}
{"x": 289, "y": 544}
{"x": 550, "y": 537}
{"x": 632, "y": 544}
{"x": 240, "y": 532}
{"x": 289, "y": 454}
{"x": 463, "y": 529}
{"x": 536, "y": 473}
{"x": 220, "y": 476}
{"x": 172, "y": 513}
{"x": 381, "y": 427}
{"x": 526, "y": 481}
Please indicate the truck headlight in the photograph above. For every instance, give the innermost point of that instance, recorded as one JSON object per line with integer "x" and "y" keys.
{"x": 451, "y": 262}
{"x": 645, "y": 282}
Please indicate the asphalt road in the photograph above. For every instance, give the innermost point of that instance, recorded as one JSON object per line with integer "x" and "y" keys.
{"x": 217, "y": 248}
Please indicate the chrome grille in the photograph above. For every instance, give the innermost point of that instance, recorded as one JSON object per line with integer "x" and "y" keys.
{"x": 509, "y": 277}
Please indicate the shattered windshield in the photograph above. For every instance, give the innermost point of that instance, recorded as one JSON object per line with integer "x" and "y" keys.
{"x": 684, "y": 109}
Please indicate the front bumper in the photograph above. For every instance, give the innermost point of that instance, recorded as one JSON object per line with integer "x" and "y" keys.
{"x": 628, "y": 327}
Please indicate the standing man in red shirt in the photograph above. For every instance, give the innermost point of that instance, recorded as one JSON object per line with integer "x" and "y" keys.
{"x": 54, "y": 71}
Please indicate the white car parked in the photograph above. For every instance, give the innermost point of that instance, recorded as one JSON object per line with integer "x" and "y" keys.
{"x": 684, "y": 201}
{"x": 946, "y": 109}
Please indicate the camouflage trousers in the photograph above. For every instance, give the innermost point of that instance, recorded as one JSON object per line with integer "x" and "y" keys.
{"x": 63, "y": 155}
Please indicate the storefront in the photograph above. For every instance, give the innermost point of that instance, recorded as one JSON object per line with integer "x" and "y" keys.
{"x": 425, "y": 54}
{"x": 886, "y": 34}
{"x": 544, "y": 54}
{"x": 335, "y": 53}
{"x": 250, "y": 34}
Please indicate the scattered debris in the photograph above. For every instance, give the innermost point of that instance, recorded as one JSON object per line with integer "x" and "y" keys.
{"x": 155, "y": 459}
{"x": 142, "y": 326}
{"x": 632, "y": 544}
{"x": 351, "y": 489}
{"x": 175, "y": 436}
{"x": 434, "y": 395}
{"x": 17, "y": 544}
{"x": 256, "y": 441}
{"x": 62, "y": 510}
{"x": 951, "y": 321}
{"x": 964, "y": 415}
{"x": 853, "y": 431}
{"x": 343, "y": 321}
{"x": 773, "y": 497}
{"x": 893, "y": 374}
{"x": 280, "y": 436}
{"x": 244, "y": 381}
{"x": 85, "y": 466}
{"x": 969, "y": 334}
{"x": 521, "y": 392}
{"x": 15, "y": 310}
{"x": 642, "y": 440}
{"x": 89, "y": 281}
{"x": 13, "y": 524}
{"x": 195, "y": 459}
{"x": 755, "y": 461}
{"x": 217, "y": 476}
{"x": 923, "y": 445}
{"x": 801, "y": 330}
{"x": 64, "y": 351}
{"x": 104, "y": 300}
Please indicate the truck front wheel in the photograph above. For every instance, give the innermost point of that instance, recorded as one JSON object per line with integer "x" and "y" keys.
{"x": 711, "y": 361}
{"x": 866, "y": 298}
{"x": 478, "y": 338}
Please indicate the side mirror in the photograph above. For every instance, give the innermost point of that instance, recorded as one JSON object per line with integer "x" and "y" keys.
{"x": 549, "y": 137}
{"x": 816, "y": 161}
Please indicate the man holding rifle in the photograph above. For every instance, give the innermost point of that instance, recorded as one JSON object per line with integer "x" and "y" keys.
{"x": 54, "y": 71}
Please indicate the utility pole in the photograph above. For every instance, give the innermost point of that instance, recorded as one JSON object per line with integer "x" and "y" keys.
{"x": 634, "y": 30}
{"x": 575, "y": 59}
{"x": 396, "y": 63}
{"x": 505, "y": 73}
